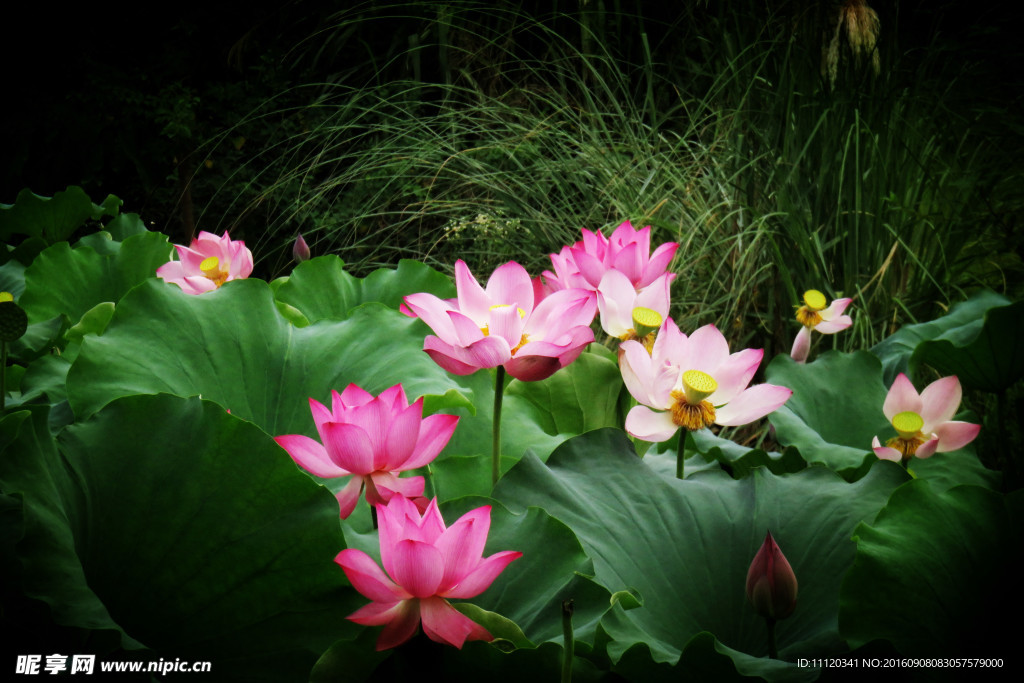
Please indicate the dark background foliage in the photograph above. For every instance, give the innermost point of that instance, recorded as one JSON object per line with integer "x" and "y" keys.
{"x": 119, "y": 100}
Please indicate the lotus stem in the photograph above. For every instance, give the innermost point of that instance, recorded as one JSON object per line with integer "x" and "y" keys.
{"x": 568, "y": 643}
{"x": 681, "y": 454}
{"x": 3, "y": 375}
{"x": 499, "y": 389}
{"x": 430, "y": 489}
{"x": 773, "y": 650}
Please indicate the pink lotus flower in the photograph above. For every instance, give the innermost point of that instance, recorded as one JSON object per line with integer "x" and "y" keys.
{"x": 628, "y": 251}
{"x": 501, "y": 325}
{"x": 923, "y": 422}
{"x": 693, "y": 382}
{"x": 426, "y": 564}
{"x": 771, "y": 583}
{"x": 814, "y": 315}
{"x": 371, "y": 440}
{"x": 207, "y": 263}
{"x": 300, "y": 250}
{"x": 619, "y": 302}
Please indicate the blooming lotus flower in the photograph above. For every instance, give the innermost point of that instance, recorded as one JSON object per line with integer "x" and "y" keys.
{"x": 628, "y": 314}
{"x": 501, "y": 325}
{"x": 371, "y": 440}
{"x": 923, "y": 421}
{"x": 771, "y": 583}
{"x": 426, "y": 564}
{"x": 693, "y": 382}
{"x": 815, "y": 315}
{"x": 207, "y": 263}
{"x": 628, "y": 251}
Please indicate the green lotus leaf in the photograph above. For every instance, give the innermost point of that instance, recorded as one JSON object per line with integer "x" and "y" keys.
{"x": 12, "y": 278}
{"x": 193, "y": 534}
{"x": 935, "y": 571}
{"x": 232, "y": 346}
{"x": 69, "y": 282}
{"x": 123, "y": 226}
{"x": 686, "y": 545}
{"x": 521, "y": 431}
{"x": 834, "y": 384}
{"x": 740, "y": 460}
{"x": 988, "y": 358}
{"x": 964, "y": 319}
{"x": 45, "y": 379}
{"x": 320, "y": 288}
{"x": 46, "y": 563}
{"x": 52, "y": 218}
{"x": 580, "y": 397}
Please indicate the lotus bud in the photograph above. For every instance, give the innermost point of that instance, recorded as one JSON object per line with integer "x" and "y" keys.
{"x": 300, "y": 251}
{"x": 771, "y": 583}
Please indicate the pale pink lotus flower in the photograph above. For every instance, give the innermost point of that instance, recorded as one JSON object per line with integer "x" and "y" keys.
{"x": 501, "y": 325}
{"x": 693, "y": 382}
{"x": 207, "y": 263}
{"x": 923, "y": 422}
{"x": 623, "y": 309}
{"x": 426, "y": 564}
{"x": 815, "y": 315}
{"x": 371, "y": 440}
{"x": 628, "y": 251}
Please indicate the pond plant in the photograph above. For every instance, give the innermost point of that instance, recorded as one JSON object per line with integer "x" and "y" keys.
{"x": 200, "y": 466}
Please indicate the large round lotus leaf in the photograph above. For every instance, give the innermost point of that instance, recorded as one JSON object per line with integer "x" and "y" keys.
{"x": 320, "y": 288}
{"x": 835, "y": 409}
{"x": 988, "y": 358}
{"x": 966, "y": 317}
{"x": 936, "y": 574}
{"x": 685, "y": 546}
{"x": 69, "y": 282}
{"x": 521, "y": 431}
{"x": 189, "y": 529}
{"x": 233, "y": 347}
{"x": 52, "y": 218}
{"x": 578, "y": 398}
{"x": 12, "y": 278}
{"x": 740, "y": 460}
{"x": 537, "y": 416}
{"x": 45, "y": 561}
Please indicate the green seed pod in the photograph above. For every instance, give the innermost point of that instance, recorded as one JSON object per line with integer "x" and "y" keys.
{"x": 13, "y": 321}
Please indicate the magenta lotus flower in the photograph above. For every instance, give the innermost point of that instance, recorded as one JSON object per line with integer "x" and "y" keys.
{"x": 503, "y": 325}
{"x": 771, "y": 583}
{"x": 693, "y": 382}
{"x": 426, "y": 564}
{"x": 815, "y": 315}
{"x": 628, "y": 251}
{"x": 923, "y": 422}
{"x": 627, "y": 314}
{"x": 371, "y": 440}
{"x": 207, "y": 263}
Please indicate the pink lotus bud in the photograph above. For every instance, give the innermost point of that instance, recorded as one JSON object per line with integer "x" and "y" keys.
{"x": 771, "y": 583}
{"x": 300, "y": 252}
